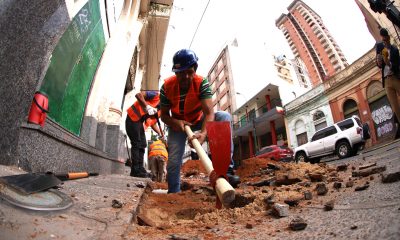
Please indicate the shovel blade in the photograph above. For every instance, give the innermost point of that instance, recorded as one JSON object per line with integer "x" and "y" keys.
{"x": 31, "y": 182}
{"x": 219, "y": 139}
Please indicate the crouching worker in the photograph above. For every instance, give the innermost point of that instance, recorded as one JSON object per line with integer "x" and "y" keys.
{"x": 186, "y": 99}
{"x": 158, "y": 157}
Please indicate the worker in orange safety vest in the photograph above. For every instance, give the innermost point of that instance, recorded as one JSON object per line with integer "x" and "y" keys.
{"x": 158, "y": 157}
{"x": 142, "y": 114}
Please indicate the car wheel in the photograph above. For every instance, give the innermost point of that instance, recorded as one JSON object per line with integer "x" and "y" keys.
{"x": 301, "y": 157}
{"x": 343, "y": 150}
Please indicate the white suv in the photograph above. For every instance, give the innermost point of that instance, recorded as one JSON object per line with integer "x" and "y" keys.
{"x": 343, "y": 138}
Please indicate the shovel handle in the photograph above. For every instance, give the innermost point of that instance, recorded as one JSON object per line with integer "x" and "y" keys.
{"x": 73, "y": 175}
{"x": 224, "y": 190}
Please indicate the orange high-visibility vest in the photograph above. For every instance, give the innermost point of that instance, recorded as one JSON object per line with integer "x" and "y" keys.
{"x": 151, "y": 120}
{"x": 157, "y": 148}
{"x": 192, "y": 106}
{"x": 135, "y": 112}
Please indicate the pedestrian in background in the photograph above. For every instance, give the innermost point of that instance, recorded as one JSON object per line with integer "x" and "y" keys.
{"x": 388, "y": 59}
{"x": 186, "y": 99}
{"x": 141, "y": 115}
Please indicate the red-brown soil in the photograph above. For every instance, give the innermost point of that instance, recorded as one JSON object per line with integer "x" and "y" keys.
{"x": 192, "y": 212}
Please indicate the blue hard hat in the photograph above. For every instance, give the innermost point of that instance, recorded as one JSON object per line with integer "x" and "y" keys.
{"x": 183, "y": 59}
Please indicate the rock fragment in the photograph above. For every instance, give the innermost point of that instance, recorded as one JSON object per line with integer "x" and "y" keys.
{"x": 391, "y": 177}
{"x": 328, "y": 206}
{"x": 280, "y": 210}
{"x": 297, "y": 224}
{"x": 321, "y": 189}
{"x": 367, "y": 172}
{"x": 361, "y": 188}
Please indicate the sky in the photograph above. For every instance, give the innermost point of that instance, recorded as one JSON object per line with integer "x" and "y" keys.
{"x": 254, "y": 21}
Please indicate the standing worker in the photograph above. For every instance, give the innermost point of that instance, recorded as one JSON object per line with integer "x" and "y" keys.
{"x": 142, "y": 114}
{"x": 388, "y": 59}
{"x": 186, "y": 100}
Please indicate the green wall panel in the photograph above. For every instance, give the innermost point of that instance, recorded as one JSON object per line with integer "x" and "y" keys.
{"x": 73, "y": 64}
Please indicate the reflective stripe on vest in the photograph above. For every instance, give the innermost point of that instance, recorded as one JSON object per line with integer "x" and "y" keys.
{"x": 157, "y": 148}
{"x": 192, "y": 105}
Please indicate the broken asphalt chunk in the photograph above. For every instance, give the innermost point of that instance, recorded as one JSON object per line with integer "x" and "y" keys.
{"x": 328, "y": 206}
{"x": 321, "y": 189}
{"x": 265, "y": 182}
{"x": 366, "y": 166}
{"x": 361, "y": 188}
{"x": 367, "y": 172}
{"x": 307, "y": 195}
{"x": 280, "y": 210}
{"x": 342, "y": 167}
{"x": 297, "y": 224}
{"x": 391, "y": 177}
{"x": 116, "y": 204}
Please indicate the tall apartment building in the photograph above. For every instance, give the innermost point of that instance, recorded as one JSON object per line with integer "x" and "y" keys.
{"x": 292, "y": 71}
{"x": 311, "y": 41}
{"x": 221, "y": 82}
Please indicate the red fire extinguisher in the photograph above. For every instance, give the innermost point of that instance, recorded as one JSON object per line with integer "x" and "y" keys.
{"x": 39, "y": 109}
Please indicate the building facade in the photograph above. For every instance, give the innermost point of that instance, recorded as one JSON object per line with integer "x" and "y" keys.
{"x": 221, "y": 83}
{"x": 311, "y": 41}
{"x": 356, "y": 90}
{"x": 88, "y": 58}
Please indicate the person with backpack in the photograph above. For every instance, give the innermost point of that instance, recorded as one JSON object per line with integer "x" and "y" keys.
{"x": 388, "y": 59}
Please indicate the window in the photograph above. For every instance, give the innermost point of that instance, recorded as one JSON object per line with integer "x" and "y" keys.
{"x": 346, "y": 124}
{"x": 319, "y": 120}
{"x": 243, "y": 120}
{"x": 301, "y": 139}
{"x": 301, "y": 134}
{"x": 221, "y": 75}
{"x": 265, "y": 150}
{"x": 350, "y": 108}
{"x": 222, "y": 87}
{"x": 320, "y": 126}
{"x": 220, "y": 63}
{"x": 318, "y": 115}
{"x": 224, "y": 100}
{"x": 330, "y": 131}
{"x": 252, "y": 114}
{"x": 318, "y": 135}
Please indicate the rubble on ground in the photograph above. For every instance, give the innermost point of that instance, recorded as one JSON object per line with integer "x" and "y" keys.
{"x": 268, "y": 190}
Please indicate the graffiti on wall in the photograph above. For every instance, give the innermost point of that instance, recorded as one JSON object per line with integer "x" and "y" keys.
{"x": 382, "y": 115}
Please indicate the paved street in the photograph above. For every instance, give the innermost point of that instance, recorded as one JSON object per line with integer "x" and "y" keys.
{"x": 373, "y": 213}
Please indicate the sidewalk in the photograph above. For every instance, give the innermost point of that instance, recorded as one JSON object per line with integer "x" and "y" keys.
{"x": 392, "y": 144}
{"x": 92, "y": 215}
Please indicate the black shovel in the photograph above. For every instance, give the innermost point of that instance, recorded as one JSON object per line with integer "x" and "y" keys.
{"x": 29, "y": 183}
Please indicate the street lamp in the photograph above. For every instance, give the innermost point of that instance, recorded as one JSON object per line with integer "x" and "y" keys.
{"x": 246, "y": 101}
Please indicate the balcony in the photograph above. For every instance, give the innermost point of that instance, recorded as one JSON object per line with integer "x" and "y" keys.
{"x": 256, "y": 117}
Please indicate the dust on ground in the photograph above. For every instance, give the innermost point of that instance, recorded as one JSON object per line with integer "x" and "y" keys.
{"x": 192, "y": 213}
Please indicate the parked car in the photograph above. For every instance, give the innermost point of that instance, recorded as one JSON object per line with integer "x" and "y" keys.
{"x": 343, "y": 138}
{"x": 277, "y": 153}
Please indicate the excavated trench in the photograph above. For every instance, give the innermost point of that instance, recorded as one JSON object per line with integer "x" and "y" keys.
{"x": 263, "y": 183}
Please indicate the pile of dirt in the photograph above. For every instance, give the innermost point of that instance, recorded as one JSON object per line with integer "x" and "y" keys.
{"x": 263, "y": 183}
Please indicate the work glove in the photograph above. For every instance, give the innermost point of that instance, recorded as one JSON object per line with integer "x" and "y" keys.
{"x": 150, "y": 110}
